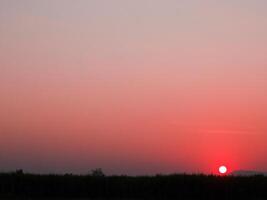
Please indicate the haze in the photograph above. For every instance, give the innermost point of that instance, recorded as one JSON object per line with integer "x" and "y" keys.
{"x": 133, "y": 87}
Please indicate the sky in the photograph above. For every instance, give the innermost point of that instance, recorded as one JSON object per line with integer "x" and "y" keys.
{"x": 133, "y": 87}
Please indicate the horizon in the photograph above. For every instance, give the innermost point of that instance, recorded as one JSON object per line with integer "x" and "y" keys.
{"x": 101, "y": 172}
{"x": 134, "y": 87}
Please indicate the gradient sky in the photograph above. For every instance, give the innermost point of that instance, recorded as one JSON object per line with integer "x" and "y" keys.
{"x": 133, "y": 86}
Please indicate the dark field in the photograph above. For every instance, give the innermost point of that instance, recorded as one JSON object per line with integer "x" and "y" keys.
{"x": 97, "y": 186}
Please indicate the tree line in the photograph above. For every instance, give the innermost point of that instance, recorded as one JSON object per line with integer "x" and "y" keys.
{"x": 98, "y": 186}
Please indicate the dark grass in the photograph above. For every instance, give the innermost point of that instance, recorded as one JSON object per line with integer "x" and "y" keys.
{"x": 177, "y": 186}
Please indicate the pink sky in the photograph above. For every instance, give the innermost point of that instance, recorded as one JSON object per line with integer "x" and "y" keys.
{"x": 133, "y": 87}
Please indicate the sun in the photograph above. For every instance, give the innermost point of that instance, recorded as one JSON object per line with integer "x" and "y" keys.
{"x": 222, "y": 169}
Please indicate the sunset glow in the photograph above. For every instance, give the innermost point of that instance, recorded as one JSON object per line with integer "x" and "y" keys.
{"x": 133, "y": 87}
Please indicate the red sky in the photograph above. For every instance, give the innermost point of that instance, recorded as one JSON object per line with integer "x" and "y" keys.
{"x": 133, "y": 87}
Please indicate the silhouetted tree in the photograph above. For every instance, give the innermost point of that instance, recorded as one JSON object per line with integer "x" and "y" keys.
{"x": 97, "y": 172}
{"x": 19, "y": 172}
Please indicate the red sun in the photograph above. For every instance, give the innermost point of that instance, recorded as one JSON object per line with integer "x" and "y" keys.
{"x": 222, "y": 169}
